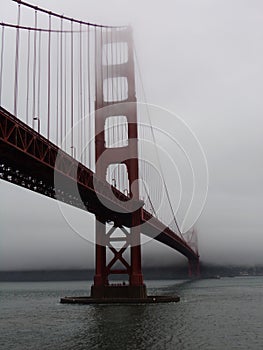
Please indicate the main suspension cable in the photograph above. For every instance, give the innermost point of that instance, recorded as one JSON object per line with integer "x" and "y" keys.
{"x": 54, "y": 14}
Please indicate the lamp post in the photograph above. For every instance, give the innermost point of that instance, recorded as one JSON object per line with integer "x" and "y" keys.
{"x": 38, "y": 123}
{"x": 73, "y": 151}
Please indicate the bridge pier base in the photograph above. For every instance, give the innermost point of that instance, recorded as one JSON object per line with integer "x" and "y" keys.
{"x": 118, "y": 292}
{"x": 193, "y": 268}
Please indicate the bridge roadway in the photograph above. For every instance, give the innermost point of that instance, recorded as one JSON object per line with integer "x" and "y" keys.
{"x": 31, "y": 161}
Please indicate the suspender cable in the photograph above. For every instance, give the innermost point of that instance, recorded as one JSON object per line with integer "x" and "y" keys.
{"x": 61, "y": 81}
{"x": 28, "y": 75}
{"x": 49, "y": 64}
{"x": 116, "y": 86}
{"x": 89, "y": 102}
{"x": 80, "y": 95}
{"x": 65, "y": 93}
{"x": 16, "y": 63}
{"x": 39, "y": 74}
{"x": 72, "y": 89}
{"x": 121, "y": 80}
{"x": 34, "y": 72}
{"x": 112, "y": 67}
{"x": 96, "y": 71}
{"x": 2, "y": 62}
{"x": 101, "y": 67}
{"x": 57, "y": 105}
{"x": 105, "y": 54}
{"x": 84, "y": 158}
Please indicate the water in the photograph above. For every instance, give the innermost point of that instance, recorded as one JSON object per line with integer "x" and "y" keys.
{"x": 212, "y": 314}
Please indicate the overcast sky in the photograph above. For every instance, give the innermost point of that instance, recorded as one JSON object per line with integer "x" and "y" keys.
{"x": 202, "y": 60}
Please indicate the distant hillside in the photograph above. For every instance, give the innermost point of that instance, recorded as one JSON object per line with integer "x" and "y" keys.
{"x": 169, "y": 272}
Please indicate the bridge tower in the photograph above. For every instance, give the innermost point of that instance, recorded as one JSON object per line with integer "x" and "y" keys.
{"x": 193, "y": 264}
{"x": 117, "y": 74}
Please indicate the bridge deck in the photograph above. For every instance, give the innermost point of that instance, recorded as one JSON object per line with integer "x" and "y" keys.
{"x": 31, "y": 161}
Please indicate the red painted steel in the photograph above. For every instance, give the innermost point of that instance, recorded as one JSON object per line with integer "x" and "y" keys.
{"x": 121, "y": 155}
{"x": 26, "y": 151}
{"x": 33, "y": 162}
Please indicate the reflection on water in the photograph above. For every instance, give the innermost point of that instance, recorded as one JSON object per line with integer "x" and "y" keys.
{"x": 212, "y": 314}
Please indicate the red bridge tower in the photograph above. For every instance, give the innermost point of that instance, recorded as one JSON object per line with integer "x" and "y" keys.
{"x": 119, "y": 75}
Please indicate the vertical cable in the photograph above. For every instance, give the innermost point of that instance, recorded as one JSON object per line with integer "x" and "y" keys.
{"x": 61, "y": 81}
{"x": 77, "y": 111}
{"x": 113, "y": 88}
{"x": 96, "y": 34}
{"x": 107, "y": 53}
{"x": 2, "y": 62}
{"x": 100, "y": 58}
{"x": 118, "y": 99}
{"x": 104, "y": 52}
{"x": 72, "y": 88}
{"x": 108, "y": 49}
{"x": 121, "y": 80}
{"x": 84, "y": 95}
{"x": 114, "y": 125}
{"x": 141, "y": 147}
{"x": 28, "y": 75}
{"x": 107, "y": 132}
{"x": 39, "y": 74}
{"x": 49, "y": 84}
{"x": 119, "y": 75}
{"x": 65, "y": 92}
{"x": 57, "y": 119}
{"x": 80, "y": 95}
{"x": 16, "y": 62}
{"x": 89, "y": 102}
{"x": 111, "y": 136}
{"x": 114, "y": 83}
{"x": 34, "y": 71}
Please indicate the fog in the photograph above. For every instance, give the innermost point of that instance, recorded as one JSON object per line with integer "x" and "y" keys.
{"x": 202, "y": 60}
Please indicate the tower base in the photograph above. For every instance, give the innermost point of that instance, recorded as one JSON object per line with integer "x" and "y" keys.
{"x": 119, "y": 294}
{"x": 119, "y": 291}
{"x": 149, "y": 300}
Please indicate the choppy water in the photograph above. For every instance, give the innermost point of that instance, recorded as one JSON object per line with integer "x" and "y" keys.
{"x": 212, "y": 314}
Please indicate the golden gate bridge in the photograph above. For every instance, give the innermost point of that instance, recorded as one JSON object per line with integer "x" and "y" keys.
{"x": 69, "y": 119}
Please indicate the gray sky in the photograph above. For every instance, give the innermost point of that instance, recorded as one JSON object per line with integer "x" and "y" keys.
{"x": 201, "y": 59}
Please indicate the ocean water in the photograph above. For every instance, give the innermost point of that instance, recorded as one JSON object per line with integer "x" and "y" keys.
{"x": 213, "y": 314}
